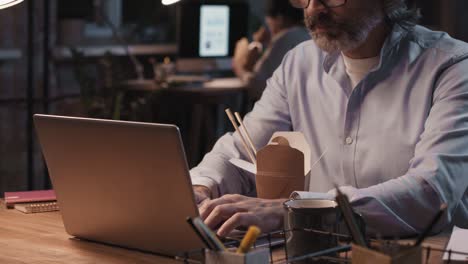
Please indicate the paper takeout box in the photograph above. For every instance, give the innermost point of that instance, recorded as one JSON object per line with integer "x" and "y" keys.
{"x": 283, "y": 166}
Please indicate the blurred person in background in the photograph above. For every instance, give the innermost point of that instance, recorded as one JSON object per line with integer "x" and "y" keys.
{"x": 256, "y": 61}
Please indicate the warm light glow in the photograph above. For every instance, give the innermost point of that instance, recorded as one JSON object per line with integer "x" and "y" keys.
{"x": 8, "y": 3}
{"x": 169, "y": 2}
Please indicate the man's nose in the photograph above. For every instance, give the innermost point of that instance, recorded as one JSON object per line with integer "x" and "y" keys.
{"x": 315, "y": 7}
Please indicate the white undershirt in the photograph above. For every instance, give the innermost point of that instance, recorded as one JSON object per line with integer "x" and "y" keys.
{"x": 358, "y": 68}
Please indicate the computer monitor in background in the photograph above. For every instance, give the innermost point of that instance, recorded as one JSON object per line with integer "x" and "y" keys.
{"x": 207, "y": 34}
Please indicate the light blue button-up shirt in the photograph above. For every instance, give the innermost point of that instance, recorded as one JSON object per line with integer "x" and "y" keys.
{"x": 398, "y": 141}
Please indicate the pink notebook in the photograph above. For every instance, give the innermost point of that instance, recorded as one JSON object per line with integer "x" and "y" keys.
{"x": 11, "y": 198}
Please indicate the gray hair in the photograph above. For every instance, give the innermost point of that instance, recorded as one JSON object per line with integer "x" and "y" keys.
{"x": 397, "y": 12}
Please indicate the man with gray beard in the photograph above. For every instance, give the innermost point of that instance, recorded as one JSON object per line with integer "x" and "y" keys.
{"x": 386, "y": 98}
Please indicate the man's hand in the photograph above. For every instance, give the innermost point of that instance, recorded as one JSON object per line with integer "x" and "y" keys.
{"x": 202, "y": 194}
{"x": 233, "y": 210}
{"x": 244, "y": 58}
{"x": 240, "y": 53}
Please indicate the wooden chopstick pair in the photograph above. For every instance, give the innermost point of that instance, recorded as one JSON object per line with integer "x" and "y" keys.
{"x": 249, "y": 147}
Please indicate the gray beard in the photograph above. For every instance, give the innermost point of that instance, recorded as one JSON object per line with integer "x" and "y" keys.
{"x": 350, "y": 39}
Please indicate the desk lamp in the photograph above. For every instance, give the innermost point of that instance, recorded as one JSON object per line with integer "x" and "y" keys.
{"x": 169, "y": 2}
{"x": 8, "y": 3}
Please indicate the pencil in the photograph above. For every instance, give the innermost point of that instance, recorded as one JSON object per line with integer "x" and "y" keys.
{"x": 249, "y": 139}
{"x": 233, "y": 121}
{"x": 202, "y": 238}
{"x": 249, "y": 239}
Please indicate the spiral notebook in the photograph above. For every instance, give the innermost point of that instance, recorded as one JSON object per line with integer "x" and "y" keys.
{"x": 12, "y": 198}
{"x": 38, "y": 207}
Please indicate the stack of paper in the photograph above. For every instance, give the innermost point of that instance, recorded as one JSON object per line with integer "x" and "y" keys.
{"x": 458, "y": 242}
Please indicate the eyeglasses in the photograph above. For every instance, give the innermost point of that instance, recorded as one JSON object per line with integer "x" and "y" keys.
{"x": 303, "y": 4}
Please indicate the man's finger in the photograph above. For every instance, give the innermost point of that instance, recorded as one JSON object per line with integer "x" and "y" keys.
{"x": 201, "y": 193}
{"x": 221, "y": 213}
{"x": 202, "y": 202}
{"x": 200, "y": 198}
{"x": 207, "y": 207}
{"x": 237, "y": 220}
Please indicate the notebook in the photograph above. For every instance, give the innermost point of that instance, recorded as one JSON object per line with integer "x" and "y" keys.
{"x": 40, "y": 207}
{"x": 12, "y": 198}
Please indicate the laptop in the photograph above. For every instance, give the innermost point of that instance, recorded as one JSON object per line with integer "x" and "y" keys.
{"x": 120, "y": 183}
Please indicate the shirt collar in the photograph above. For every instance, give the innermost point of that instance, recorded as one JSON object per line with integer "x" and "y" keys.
{"x": 390, "y": 47}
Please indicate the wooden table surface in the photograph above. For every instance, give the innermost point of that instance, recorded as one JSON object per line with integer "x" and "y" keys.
{"x": 41, "y": 238}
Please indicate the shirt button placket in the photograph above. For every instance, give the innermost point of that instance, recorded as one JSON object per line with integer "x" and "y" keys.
{"x": 349, "y": 139}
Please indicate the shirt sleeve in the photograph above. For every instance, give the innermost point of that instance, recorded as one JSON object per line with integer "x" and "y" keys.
{"x": 437, "y": 172}
{"x": 270, "y": 114}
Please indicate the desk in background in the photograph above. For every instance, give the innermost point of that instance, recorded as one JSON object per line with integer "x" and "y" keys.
{"x": 196, "y": 108}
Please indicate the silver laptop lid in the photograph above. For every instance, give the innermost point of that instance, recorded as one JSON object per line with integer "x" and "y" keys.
{"x": 122, "y": 183}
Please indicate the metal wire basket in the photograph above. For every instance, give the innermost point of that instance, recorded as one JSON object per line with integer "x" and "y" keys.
{"x": 276, "y": 243}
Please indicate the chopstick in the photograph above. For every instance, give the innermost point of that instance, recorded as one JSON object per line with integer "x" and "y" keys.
{"x": 244, "y": 143}
{"x": 249, "y": 139}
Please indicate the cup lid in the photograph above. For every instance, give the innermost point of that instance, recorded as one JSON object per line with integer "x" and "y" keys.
{"x": 310, "y": 204}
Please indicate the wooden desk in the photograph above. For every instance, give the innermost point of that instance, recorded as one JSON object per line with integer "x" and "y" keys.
{"x": 435, "y": 242}
{"x": 41, "y": 238}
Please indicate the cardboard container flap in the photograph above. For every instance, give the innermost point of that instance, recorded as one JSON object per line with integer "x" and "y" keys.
{"x": 282, "y": 160}
{"x": 296, "y": 140}
{"x": 283, "y": 166}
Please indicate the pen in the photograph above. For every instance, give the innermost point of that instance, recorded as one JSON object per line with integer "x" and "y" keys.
{"x": 202, "y": 238}
{"x": 347, "y": 211}
{"x": 208, "y": 234}
{"x": 431, "y": 225}
{"x": 248, "y": 240}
